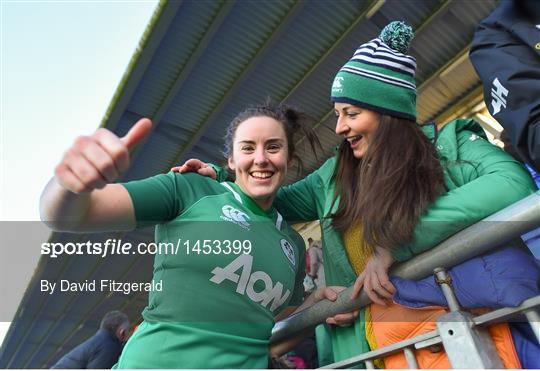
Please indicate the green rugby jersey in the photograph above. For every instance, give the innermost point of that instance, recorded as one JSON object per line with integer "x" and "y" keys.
{"x": 226, "y": 267}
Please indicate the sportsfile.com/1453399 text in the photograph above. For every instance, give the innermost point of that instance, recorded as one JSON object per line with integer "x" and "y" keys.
{"x": 118, "y": 247}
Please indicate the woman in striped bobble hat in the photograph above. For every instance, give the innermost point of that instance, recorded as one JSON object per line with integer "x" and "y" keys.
{"x": 401, "y": 188}
{"x": 396, "y": 189}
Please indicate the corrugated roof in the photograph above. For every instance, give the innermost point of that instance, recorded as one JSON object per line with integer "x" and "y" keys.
{"x": 200, "y": 64}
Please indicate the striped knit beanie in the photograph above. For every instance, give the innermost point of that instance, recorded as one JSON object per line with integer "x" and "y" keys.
{"x": 380, "y": 76}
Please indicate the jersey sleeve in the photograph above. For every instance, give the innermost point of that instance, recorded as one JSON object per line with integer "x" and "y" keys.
{"x": 304, "y": 200}
{"x": 493, "y": 181}
{"x": 298, "y": 293}
{"x": 159, "y": 198}
{"x": 222, "y": 175}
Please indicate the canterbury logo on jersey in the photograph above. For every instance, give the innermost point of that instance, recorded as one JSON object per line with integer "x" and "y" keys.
{"x": 236, "y": 216}
{"x": 246, "y": 282}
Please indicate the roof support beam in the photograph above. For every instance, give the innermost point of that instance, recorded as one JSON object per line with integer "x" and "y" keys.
{"x": 470, "y": 100}
{"x": 184, "y": 73}
{"x": 140, "y": 61}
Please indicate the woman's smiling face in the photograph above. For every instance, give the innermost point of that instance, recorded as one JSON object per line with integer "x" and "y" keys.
{"x": 260, "y": 158}
{"x": 357, "y": 125}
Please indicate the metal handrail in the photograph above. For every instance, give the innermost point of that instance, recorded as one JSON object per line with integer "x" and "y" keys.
{"x": 433, "y": 337}
{"x": 475, "y": 240}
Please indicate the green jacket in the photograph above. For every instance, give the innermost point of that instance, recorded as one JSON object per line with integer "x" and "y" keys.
{"x": 481, "y": 179}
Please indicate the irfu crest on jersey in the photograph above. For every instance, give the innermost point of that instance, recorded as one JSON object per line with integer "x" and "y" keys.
{"x": 288, "y": 250}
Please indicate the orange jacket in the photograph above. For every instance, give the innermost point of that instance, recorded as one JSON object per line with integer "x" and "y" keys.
{"x": 396, "y": 323}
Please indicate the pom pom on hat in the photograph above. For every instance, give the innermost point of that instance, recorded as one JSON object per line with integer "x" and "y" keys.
{"x": 397, "y": 35}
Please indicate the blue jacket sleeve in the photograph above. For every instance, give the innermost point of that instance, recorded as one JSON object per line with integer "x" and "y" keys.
{"x": 506, "y": 55}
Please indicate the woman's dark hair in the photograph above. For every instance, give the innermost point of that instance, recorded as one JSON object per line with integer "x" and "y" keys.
{"x": 387, "y": 190}
{"x": 296, "y": 125}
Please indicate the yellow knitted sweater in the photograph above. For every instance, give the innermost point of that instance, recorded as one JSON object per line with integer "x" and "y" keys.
{"x": 358, "y": 251}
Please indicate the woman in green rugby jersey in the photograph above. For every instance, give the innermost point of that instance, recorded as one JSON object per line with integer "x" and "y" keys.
{"x": 239, "y": 264}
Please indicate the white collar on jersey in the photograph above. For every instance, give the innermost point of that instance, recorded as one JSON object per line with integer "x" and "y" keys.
{"x": 279, "y": 219}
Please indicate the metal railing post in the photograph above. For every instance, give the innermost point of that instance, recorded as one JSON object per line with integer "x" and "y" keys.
{"x": 445, "y": 282}
{"x": 410, "y": 357}
{"x": 465, "y": 345}
{"x": 534, "y": 320}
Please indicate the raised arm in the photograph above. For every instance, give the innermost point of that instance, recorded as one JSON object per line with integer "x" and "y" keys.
{"x": 80, "y": 196}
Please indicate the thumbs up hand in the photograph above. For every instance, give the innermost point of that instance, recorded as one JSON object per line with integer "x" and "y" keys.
{"x": 98, "y": 159}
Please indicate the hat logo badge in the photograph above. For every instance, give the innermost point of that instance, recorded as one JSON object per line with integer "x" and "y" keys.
{"x": 337, "y": 83}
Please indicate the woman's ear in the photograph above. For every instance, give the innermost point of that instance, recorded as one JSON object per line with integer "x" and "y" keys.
{"x": 290, "y": 160}
{"x": 230, "y": 162}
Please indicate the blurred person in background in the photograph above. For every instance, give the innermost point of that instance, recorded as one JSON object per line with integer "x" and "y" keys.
{"x": 101, "y": 350}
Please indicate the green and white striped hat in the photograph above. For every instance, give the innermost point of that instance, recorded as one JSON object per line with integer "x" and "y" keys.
{"x": 380, "y": 76}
